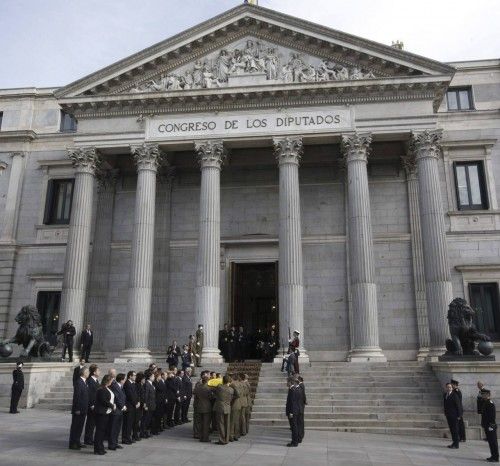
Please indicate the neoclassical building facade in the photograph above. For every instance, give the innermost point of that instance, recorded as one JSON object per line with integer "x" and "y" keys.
{"x": 256, "y": 169}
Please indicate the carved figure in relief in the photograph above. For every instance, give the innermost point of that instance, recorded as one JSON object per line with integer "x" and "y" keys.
{"x": 356, "y": 73}
{"x": 222, "y": 66}
{"x": 197, "y": 74}
{"x": 325, "y": 72}
{"x": 342, "y": 73}
{"x": 271, "y": 64}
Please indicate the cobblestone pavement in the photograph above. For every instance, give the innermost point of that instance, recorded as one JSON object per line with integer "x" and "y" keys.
{"x": 40, "y": 437}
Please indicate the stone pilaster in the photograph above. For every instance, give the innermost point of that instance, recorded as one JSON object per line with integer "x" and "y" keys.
{"x": 9, "y": 222}
{"x": 74, "y": 288}
{"x": 426, "y": 150}
{"x": 97, "y": 314}
{"x": 211, "y": 156}
{"x": 364, "y": 338}
{"x": 147, "y": 158}
{"x": 288, "y": 151}
{"x": 410, "y": 166}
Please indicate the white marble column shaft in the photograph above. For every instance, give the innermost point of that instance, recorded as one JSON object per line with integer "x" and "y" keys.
{"x": 288, "y": 151}
{"x": 211, "y": 155}
{"x": 147, "y": 158}
{"x": 97, "y": 313}
{"x": 9, "y": 221}
{"x": 426, "y": 150}
{"x": 410, "y": 166}
{"x": 74, "y": 288}
{"x": 364, "y": 338}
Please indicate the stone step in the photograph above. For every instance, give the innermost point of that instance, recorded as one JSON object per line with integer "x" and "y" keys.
{"x": 344, "y": 410}
{"x": 344, "y": 402}
{"x": 329, "y": 395}
{"x": 315, "y": 414}
{"x": 355, "y": 423}
{"x": 320, "y": 388}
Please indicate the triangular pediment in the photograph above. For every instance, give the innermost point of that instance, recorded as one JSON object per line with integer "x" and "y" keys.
{"x": 250, "y": 45}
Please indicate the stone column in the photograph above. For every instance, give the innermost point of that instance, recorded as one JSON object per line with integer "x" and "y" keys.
{"x": 211, "y": 155}
{"x": 13, "y": 198}
{"x": 426, "y": 150}
{"x": 147, "y": 158}
{"x": 410, "y": 167}
{"x": 74, "y": 288}
{"x": 96, "y": 314}
{"x": 288, "y": 152}
{"x": 364, "y": 338}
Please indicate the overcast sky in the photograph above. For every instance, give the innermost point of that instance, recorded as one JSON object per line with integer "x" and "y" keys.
{"x": 55, "y": 42}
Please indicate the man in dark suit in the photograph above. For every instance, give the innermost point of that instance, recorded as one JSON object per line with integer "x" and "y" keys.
{"x": 293, "y": 402}
{"x": 68, "y": 332}
{"x": 93, "y": 385}
{"x": 223, "y": 341}
{"x": 172, "y": 394}
{"x": 86, "y": 341}
{"x": 461, "y": 424}
{"x": 104, "y": 407}
{"x": 452, "y": 411}
{"x": 178, "y": 400}
{"x": 303, "y": 402}
{"x": 76, "y": 371}
{"x": 132, "y": 403}
{"x": 79, "y": 409}
{"x": 186, "y": 393}
{"x": 489, "y": 424}
{"x": 149, "y": 403}
{"x": 116, "y": 417}
{"x": 17, "y": 387}
{"x": 173, "y": 353}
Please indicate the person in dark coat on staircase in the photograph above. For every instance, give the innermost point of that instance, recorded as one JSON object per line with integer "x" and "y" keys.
{"x": 79, "y": 409}
{"x": 17, "y": 387}
{"x": 461, "y": 424}
{"x": 452, "y": 411}
{"x": 489, "y": 424}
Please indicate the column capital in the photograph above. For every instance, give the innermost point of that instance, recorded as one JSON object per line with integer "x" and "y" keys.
{"x": 356, "y": 147}
{"x": 17, "y": 153}
{"x": 288, "y": 149}
{"x": 410, "y": 165}
{"x": 106, "y": 179}
{"x": 85, "y": 159}
{"x": 426, "y": 144}
{"x": 147, "y": 156}
{"x": 211, "y": 153}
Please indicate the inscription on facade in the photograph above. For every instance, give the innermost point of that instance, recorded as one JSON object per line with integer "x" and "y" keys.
{"x": 224, "y": 125}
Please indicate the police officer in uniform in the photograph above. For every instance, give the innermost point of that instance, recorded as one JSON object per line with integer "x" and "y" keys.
{"x": 17, "y": 387}
{"x": 488, "y": 422}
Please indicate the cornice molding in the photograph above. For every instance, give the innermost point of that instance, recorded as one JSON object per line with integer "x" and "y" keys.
{"x": 27, "y": 135}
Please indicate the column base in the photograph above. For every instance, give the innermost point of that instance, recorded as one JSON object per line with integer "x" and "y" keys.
{"x": 142, "y": 355}
{"x": 211, "y": 356}
{"x": 434, "y": 353}
{"x": 423, "y": 354}
{"x": 372, "y": 354}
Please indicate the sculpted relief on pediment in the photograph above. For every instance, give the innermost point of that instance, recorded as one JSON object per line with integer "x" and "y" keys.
{"x": 252, "y": 62}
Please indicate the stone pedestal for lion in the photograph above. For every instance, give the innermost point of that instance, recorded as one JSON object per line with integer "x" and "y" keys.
{"x": 39, "y": 377}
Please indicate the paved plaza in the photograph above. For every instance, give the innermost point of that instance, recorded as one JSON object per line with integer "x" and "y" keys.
{"x": 40, "y": 437}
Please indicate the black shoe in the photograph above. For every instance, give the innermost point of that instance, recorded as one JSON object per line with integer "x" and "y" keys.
{"x": 112, "y": 448}
{"x": 492, "y": 460}
{"x": 292, "y": 444}
{"x": 82, "y": 445}
{"x": 127, "y": 442}
{"x": 453, "y": 446}
{"x": 89, "y": 443}
{"x": 74, "y": 447}
{"x": 220, "y": 443}
{"x": 100, "y": 452}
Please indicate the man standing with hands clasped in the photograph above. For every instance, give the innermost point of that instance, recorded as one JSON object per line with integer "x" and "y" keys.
{"x": 488, "y": 422}
{"x": 293, "y": 407}
{"x": 453, "y": 412}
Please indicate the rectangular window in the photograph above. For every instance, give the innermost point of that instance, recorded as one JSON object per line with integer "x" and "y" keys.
{"x": 459, "y": 98}
{"x": 58, "y": 202}
{"x": 68, "y": 122}
{"x": 484, "y": 300}
{"x": 47, "y": 303}
{"x": 470, "y": 186}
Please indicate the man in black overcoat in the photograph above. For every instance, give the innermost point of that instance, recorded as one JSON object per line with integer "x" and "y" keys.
{"x": 76, "y": 371}
{"x": 79, "y": 409}
{"x": 68, "y": 333}
{"x": 293, "y": 402}
{"x": 172, "y": 394}
{"x": 489, "y": 424}
{"x": 86, "y": 342}
{"x": 453, "y": 412}
{"x": 149, "y": 404}
{"x": 93, "y": 385}
{"x": 132, "y": 403}
{"x": 116, "y": 418}
{"x": 186, "y": 394}
{"x": 17, "y": 387}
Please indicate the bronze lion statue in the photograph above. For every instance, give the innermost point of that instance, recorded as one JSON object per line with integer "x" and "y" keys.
{"x": 463, "y": 332}
{"x": 30, "y": 334}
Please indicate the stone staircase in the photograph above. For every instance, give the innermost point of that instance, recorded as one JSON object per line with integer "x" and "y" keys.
{"x": 389, "y": 398}
{"x": 251, "y": 368}
{"x": 60, "y": 396}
